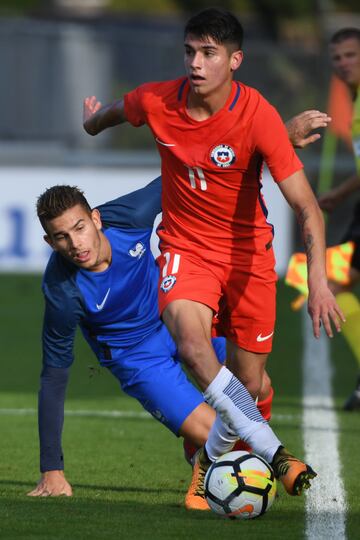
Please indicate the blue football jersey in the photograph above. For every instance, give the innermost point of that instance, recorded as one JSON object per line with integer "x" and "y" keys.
{"x": 116, "y": 308}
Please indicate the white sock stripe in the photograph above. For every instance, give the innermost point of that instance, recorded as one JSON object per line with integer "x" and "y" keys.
{"x": 241, "y": 398}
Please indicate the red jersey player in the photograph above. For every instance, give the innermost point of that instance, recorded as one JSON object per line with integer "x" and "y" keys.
{"x": 217, "y": 262}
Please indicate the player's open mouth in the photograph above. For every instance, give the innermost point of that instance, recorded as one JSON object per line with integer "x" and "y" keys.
{"x": 197, "y": 79}
{"x": 82, "y": 257}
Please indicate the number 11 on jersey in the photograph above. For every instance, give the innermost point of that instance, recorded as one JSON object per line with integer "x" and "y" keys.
{"x": 196, "y": 174}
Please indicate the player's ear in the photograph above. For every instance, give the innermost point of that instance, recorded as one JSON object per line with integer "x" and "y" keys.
{"x": 236, "y": 60}
{"x": 96, "y": 218}
{"x": 48, "y": 240}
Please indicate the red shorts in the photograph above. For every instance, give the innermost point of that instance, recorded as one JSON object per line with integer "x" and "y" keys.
{"x": 243, "y": 297}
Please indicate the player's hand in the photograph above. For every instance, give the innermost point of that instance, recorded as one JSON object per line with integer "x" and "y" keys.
{"x": 52, "y": 484}
{"x": 301, "y": 125}
{"x": 328, "y": 201}
{"x": 323, "y": 310}
{"x": 90, "y": 107}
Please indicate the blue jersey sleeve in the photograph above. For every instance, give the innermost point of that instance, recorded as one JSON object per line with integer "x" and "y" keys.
{"x": 63, "y": 311}
{"x": 136, "y": 210}
{"x": 53, "y": 384}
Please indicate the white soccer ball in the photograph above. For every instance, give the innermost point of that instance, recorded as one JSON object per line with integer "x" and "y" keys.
{"x": 240, "y": 485}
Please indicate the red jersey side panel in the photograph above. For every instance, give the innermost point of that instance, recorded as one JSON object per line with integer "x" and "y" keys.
{"x": 211, "y": 170}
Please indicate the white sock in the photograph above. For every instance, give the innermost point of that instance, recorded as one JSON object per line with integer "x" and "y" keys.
{"x": 237, "y": 409}
{"x": 221, "y": 439}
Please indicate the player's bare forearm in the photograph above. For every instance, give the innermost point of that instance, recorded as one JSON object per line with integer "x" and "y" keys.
{"x": 311, "y": 225}
{"x": 322, "y": 305}
{"x": 96, "y": 117}
{"x": 52, "y": 484}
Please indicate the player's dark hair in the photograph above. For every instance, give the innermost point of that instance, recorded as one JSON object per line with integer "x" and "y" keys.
{"x": 220, "y": 25}
{"x": 345, "y": 33}
{"x": 56, "y": 200}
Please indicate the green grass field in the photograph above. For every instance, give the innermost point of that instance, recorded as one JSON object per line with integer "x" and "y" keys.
{"x": 128, "y": 474}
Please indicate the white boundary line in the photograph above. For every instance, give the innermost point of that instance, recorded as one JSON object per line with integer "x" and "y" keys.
{"x": 120, "y": 414}
{"x": 90, "y": 413}
{"x": 326, "y": 500}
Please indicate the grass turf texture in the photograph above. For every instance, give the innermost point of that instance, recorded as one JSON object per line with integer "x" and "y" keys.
{"x": 128, "y": 474}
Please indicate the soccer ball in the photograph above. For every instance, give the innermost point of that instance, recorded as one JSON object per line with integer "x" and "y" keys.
{"x": 240, "y": 485}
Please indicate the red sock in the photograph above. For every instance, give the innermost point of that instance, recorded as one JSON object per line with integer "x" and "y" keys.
{"x": 241, "y": 445}
{"x": 265, "y": 405}
{"x": 189, "y": 450}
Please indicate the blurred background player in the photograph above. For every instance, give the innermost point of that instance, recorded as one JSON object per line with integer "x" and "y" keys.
{"x": 102, "y": 276}
{"x": 345, "y": 59}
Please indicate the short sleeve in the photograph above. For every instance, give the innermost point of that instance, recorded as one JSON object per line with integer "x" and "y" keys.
{"x": 271, "y": 140}
{"x": 133, "y": 106}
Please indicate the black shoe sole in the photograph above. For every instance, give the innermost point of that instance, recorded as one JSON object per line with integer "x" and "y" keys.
{"x": 303, "y": 480}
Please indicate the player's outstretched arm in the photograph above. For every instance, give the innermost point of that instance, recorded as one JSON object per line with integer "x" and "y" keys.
{"x": 322, "y": 306}
{"x": 52, "y": 484}
{"x": 96, "y": 117}
{"x": 300, "y": 126}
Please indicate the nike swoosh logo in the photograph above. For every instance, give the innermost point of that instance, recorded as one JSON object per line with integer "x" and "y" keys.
{"x": 164, "y": 144}
{"x": 100, "y": 306}
{"x": 264, "y": 338}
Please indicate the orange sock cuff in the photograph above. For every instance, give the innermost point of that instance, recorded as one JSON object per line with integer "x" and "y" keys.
{"x": 265, "y": 405}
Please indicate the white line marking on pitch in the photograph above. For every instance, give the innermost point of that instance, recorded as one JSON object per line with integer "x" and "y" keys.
{"x": 121, "y": 414}
{"x": 106, "y": 414}
{"x": 326, "y": 500}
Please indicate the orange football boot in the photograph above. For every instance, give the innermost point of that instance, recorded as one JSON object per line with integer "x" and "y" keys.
{"x": 195, "y": 496}
{"x": 293, "y": 473}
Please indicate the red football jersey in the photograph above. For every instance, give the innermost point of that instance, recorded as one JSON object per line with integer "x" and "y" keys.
{"x": 211, "y": 170}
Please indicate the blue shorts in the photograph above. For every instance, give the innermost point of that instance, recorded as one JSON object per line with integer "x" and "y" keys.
{"x": 152, "y": 373}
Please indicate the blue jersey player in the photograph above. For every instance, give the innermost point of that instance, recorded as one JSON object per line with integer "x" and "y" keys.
{"x": 103, "y": 277}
